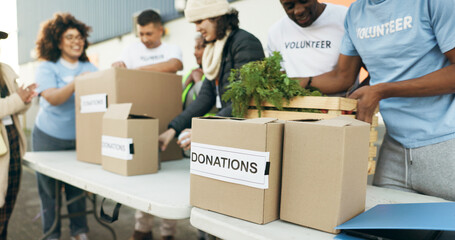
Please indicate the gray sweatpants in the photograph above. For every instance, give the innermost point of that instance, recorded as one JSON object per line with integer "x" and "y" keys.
{"x": 428, "y": 170}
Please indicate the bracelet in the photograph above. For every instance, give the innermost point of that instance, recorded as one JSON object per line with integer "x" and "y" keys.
{"x": 309, "y": 82}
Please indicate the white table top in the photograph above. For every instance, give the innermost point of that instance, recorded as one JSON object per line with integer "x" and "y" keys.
{"x": 227, "y": 227}
{"x": 164, "y": 194}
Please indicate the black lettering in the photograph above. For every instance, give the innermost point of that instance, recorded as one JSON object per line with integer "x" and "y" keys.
{"x": 244, "y": 166}
{"x": 217, "y": 162}
{"x": 292, "y": 45}
{"x": 307, "y": 43}
{"x": 253, "y": 168}
{"x": 317, "y": 44}
{"x": 297, "y": 45}
{"x": 327, "y": 43}
{"x": 208, "y": 159}
{"x": 224, "y": 161}
{"x": 193, "y": 157}
{"x": 286, "y": 45}
{"x": 236, "y": 162}
{"x": 199, "y": 158}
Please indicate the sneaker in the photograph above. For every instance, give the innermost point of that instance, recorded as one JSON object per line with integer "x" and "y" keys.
{"x": 137, "y": 235}
{"x": 82, "y": 236}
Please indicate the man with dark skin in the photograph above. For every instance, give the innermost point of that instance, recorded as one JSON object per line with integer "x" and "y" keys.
{"x": 409, "y": 52}
{"x": 308, "y": 38}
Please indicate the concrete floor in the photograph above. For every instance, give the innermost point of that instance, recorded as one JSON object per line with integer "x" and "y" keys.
{"x": 25, "y": 223}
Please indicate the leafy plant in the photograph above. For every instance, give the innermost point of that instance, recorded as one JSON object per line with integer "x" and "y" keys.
{"x": 262, "y": 81}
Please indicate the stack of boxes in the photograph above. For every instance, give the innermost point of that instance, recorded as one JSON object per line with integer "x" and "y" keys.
{"x": 151, "y": 94}
{"x": 317, "y": 169}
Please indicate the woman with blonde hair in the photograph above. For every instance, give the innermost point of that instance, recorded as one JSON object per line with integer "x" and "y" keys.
{"x": 14, "y": 101}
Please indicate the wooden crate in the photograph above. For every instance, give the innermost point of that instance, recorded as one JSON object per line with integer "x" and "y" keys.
{"x": 334, "y": 106}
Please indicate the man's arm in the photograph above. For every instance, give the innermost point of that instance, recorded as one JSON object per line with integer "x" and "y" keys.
{"x": 339, "y": 79}
{"x": 171, "y": 66}
{"x": 438, "y": 82}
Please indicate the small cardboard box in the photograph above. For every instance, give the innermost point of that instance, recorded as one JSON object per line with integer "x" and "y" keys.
{"x": 129, "y": 143}
{"x": 324, "y": 172}
{"x": 153, "y": 94}
{"x": 236, "y": 150}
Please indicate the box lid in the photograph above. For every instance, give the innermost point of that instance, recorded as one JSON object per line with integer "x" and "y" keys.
{"x": 341, "y": 121}
{"x": 118, "y": 111}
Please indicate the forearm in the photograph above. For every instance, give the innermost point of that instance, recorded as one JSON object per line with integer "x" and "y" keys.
{"x": 339, "y": 79}
{"x": 169, "y": 67}
{"x": 439, "y": 82}
{"x": 57, "y": 96}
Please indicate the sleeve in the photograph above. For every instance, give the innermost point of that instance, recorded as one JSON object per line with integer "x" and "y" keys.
{"x": 442, "y": 20}
{"x": 247, "y": 50}
{"x": 176, "y": 52}
{"x": 347, "y": 47}
{"x": 271, "y": 45}
{"x": 45, "y": 77}
{"x": 126, "y": 56}
{"x": 202, "y": 105}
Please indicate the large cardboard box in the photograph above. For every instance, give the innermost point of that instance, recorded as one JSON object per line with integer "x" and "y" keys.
{"x": 324, "y": 172}
{"x": 153, "y": 94}
{"x": 235, "y": 151}
{"x": 129, "y": 143}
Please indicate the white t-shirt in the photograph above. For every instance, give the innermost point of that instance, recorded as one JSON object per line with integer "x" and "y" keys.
{"x": 312, "y": 50}
{"x": 137, "y": 55}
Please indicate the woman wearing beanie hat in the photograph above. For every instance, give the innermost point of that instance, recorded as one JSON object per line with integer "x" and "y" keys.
{"x": 227, "y": 47}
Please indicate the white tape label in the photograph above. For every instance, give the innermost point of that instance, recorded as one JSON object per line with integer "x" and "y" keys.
{"x": 240, "y": 166}
{"x": 94, "y": 103}
{"x": 116, "y": 147}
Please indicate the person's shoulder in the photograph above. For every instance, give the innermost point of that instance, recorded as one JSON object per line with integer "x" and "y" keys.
{"x": 336, "y": 9}
{"x": 45, "y": 64}
{"x": 88, "y": 65}
{"x": 170, "y": 46}
{"x": 241, "y": 34}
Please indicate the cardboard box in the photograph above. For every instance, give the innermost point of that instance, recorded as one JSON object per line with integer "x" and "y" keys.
{"x": 129, "y": 143}
{"x": 153, "y": 94}
{"x": 257, "y": 202}
{"x": 324, "y": 172}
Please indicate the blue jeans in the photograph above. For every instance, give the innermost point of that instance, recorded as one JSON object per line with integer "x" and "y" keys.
{"x": 46, "y": 188}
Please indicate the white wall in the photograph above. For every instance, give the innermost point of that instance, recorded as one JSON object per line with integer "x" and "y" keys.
{"x": 256, "y": 16}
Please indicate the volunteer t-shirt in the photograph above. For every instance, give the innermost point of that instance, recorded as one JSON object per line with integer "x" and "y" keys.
{"x": 58, "y": 121}
{"x": 401, "y": 40}
{"x": 138, "y": 55}
{"x": 312, "y": 50}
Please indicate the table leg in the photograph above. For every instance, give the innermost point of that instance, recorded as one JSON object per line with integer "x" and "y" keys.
{"x": 58, "y": 216}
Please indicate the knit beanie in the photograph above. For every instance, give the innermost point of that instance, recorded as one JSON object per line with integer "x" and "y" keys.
{"x": 202, "y": 9}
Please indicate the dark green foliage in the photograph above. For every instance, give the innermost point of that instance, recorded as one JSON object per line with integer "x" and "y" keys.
{"x": 262, "y": 81}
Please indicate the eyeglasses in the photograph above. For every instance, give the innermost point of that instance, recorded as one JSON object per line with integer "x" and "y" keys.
{"x": 72, "y": 38}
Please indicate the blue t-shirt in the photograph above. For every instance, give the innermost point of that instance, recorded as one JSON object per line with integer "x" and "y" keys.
{"x": 400, "y": 40}
{"x": 58, "y": 121}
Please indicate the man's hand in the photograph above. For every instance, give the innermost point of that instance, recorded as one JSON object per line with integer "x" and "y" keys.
{"x": 119, "y": 64}
{"x": 165, "y": 138}
{"x": 27, "y": 93}
{"x": 367, "y": 102}
{"x": 185, "y": 139}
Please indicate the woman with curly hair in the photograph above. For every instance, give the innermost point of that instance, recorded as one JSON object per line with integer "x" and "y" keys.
{"x": 61, "y": 46}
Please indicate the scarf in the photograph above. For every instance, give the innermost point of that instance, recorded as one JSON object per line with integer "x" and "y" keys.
{"x": 211, "y": 60}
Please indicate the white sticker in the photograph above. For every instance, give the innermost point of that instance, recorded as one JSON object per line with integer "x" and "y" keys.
{"x": 117, "y": 147}
{"x": 94, "y": 103}
{"x": 7, "y": 120}
{"x": 218, "y": 102}
{"x": 235, "y": 165}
